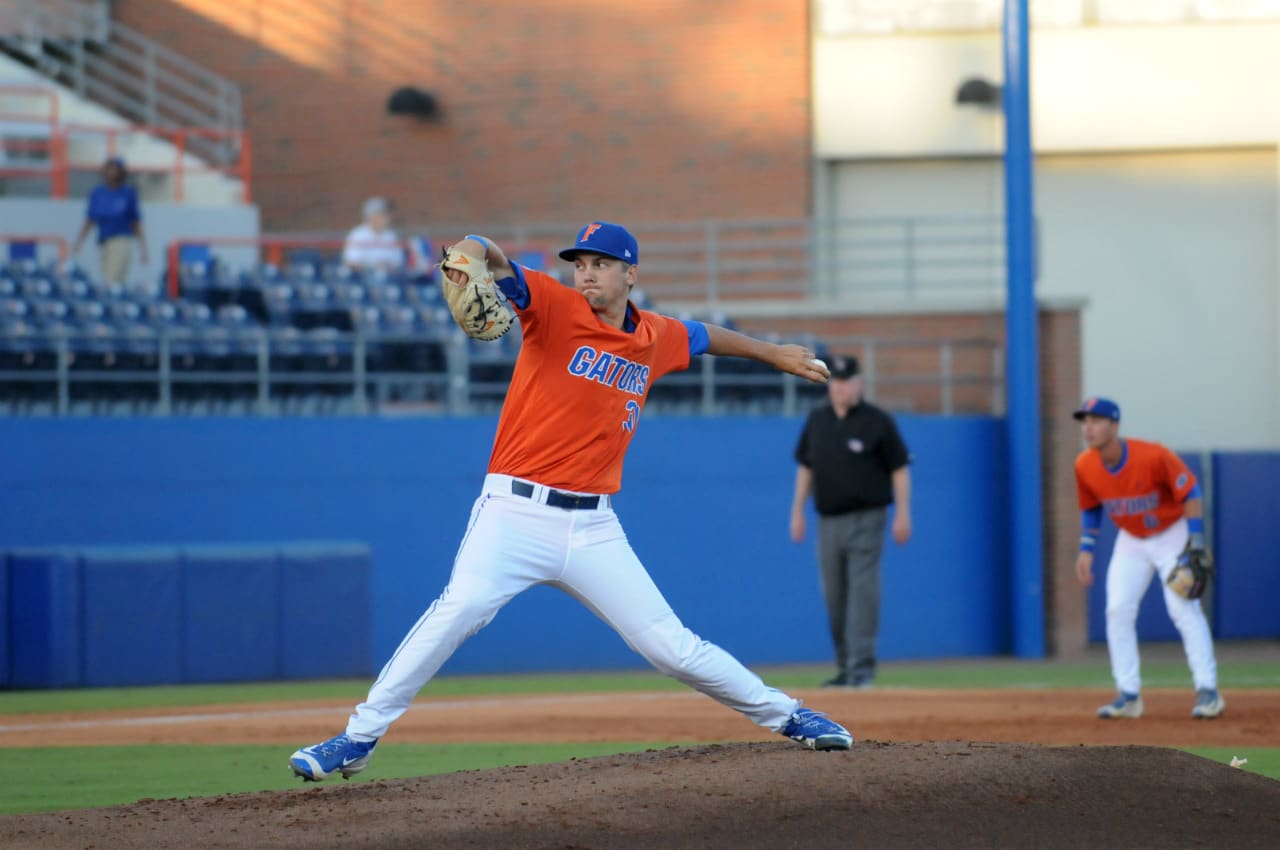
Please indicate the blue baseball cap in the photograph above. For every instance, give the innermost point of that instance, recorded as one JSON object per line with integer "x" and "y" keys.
{"x": 603, "y": 237}
{"x": 1103, "y": 407}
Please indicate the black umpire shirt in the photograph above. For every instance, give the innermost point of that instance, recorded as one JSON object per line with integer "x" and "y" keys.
{"x": 852, "y": 459}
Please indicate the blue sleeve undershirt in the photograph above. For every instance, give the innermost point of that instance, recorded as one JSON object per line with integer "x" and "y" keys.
{"x": 699, "y": 339}
{"x": 515, "y": 287}
{"x": 1090, "y": 525}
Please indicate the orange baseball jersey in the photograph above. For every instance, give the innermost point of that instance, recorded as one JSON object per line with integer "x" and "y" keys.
{"x": 578, "y": 388}
{"x": 1145, "y": 495}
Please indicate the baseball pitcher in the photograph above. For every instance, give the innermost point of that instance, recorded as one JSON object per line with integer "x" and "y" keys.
{"x": 545, "y": 511}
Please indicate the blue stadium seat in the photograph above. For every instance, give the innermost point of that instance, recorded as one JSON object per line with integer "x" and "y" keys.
{"x": 72, "y": 289}
{"x": 36, "y": 287}
{"x": 191, "y": 253}
{"x": 22, "y": 251}
{"x": 280, "y": 301}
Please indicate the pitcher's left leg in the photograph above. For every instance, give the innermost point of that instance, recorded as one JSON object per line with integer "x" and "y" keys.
{"x": 604, "y": 574}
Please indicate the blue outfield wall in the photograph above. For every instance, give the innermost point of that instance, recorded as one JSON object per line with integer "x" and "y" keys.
{"x": 1246, "y": 539}
{"x": 161, "y": 614}
{"x": 705, "y": 504}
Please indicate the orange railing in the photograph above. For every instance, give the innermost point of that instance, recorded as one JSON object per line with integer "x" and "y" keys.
{"x": 180, "y": 138}
{"x": 51, "y": 138}
{"x": 58, "y": 241}
{"x": 43, "y": 137}
{"x": 49, "y": 96}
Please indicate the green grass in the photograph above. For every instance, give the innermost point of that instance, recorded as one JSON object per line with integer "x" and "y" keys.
{"x": 1264, "y": 761}
{"x": 36, "y": 779}
{"x": 57, "y": 778}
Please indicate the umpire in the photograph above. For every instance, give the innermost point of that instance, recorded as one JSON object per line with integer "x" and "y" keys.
{"x": 853, "y": 459}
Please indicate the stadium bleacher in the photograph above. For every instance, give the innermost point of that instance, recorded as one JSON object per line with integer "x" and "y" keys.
{"x": 308, "y": 336}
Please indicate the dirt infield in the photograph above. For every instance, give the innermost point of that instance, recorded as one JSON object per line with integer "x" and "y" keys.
{"x": 1025, "y": 716}
{"x": 932, "y": 768}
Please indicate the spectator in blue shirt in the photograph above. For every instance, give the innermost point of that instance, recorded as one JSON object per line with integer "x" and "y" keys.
{"x": 113, "y": 208}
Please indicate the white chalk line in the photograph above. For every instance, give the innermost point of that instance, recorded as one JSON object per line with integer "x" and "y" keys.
{"x": 442, "y": 705}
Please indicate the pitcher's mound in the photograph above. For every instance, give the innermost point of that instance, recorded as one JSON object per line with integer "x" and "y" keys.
{"x": 759, "y": 795}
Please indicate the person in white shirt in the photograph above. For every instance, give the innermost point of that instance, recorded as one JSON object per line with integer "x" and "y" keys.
{"x": 374, "y": 246}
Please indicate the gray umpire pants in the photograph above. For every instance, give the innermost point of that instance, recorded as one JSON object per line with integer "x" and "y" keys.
{"x": 849, "y": 548}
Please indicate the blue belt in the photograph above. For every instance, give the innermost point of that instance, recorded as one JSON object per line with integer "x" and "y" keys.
{"x": 557, "y": 499}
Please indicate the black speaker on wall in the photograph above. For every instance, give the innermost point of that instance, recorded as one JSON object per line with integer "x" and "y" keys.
{"x": 415, "y": 103}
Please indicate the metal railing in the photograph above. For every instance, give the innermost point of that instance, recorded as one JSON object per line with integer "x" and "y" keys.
{"x": 57, "y": 158}
{"x": 749, "y": 259}
{"x": 79, "y": 46}
{"x": 169, "y": 373}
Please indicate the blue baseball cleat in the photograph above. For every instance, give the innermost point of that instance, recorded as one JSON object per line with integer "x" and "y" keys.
{"x": 816, "y": 731}
{"x": 329, "y": 757}
{"x": 1125, "y": 705}
{"x": 1209, "y": 704}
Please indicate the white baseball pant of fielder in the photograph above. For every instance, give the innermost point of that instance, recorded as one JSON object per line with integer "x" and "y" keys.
{"x": 1133, "y": 562}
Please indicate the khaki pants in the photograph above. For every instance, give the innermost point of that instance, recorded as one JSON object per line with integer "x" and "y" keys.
{"x": 114, "y": 256}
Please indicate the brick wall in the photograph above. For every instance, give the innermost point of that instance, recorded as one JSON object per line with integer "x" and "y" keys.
{"x": 1061, "y": 390}
{"x": 555, "y": 111}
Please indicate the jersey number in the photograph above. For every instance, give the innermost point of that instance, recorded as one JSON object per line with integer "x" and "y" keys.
{"x": 633, "y": 413}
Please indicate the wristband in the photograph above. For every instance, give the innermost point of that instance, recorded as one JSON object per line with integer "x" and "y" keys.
{"x": 1087, "y": 543}
{"x": 1195, "y": 525}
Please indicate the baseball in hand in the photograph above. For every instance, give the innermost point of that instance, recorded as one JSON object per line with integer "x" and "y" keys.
{"x": 818, "y": 362}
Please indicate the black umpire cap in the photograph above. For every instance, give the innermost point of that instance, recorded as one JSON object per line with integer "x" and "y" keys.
{"x": 844, "y": 367}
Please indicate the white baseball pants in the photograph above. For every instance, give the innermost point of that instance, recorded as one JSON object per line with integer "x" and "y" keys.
{"x": 1133, "y": 562}
{"x": 513, "y": 543}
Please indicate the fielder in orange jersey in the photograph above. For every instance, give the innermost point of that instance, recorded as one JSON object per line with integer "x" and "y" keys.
{"x": 544, "y": 516}
{"x": 1155, "y": 503}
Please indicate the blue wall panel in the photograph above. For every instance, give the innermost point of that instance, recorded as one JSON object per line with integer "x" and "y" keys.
{"x": 132, "y": 610}
{"x": 324, "y": 612}
{"x": 5, "y": 625}
{"x": 705, "y": 504}
{"x": 1153, "y": 618}
{"x": 1246, "y": 538}
{"x": 44, "y": 619}
{"x": 231, "y": 600}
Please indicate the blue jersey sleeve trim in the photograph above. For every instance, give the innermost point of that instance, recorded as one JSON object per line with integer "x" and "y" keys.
{"x": 1090, "y": 525}
{"x": 1092, "y": 518}
{"x": 699, "y": 339}
{"x": 515, "y": 288}
{"x": 1195, "y": 493}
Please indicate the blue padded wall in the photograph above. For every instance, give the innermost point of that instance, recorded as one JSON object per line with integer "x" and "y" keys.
{"x": 132, "y": 616}
{"x": 151, "y": 615}
{"x": 4, "y": 620}
{"x": 1246, "y": 540}
{"x": 44, "y": 619}
{"x": 704, "y": 502}
{"x": 325, "y": 610}
{"x": 231, "y": 603}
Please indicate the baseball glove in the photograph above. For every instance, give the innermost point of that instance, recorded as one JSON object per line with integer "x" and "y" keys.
{"x": 1190, "y": 577}
{"x": 477, "y": 306}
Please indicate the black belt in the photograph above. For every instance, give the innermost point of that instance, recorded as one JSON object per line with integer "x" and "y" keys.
{"x": 557, "y": 499}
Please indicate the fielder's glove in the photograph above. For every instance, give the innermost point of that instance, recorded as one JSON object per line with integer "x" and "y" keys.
{"x": 477, "y": 306}
{"x": 1190, "y": 577}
